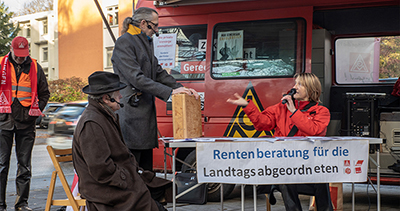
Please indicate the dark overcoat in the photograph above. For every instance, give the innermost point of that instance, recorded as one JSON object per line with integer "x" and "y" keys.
{"x": 109, "y": 177}
{"x": 134, "y": 61}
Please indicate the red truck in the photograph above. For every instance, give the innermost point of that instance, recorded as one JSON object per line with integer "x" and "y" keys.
{"x": 254, "y": 47}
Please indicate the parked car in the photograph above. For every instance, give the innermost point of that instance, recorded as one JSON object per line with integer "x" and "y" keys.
{"x": 48, "y": 113}
{"x": 39, "y": 119}
{"x": 62, "y": 125}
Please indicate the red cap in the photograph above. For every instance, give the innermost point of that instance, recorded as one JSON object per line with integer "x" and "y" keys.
{"x": 20, "y": 46}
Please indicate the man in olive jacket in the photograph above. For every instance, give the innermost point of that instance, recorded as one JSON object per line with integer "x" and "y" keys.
{"x": 134, "y": 61}
{"x": 109, "y": 176}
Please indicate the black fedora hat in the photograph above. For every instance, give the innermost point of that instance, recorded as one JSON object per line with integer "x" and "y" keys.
{"x": 101, "y": 82}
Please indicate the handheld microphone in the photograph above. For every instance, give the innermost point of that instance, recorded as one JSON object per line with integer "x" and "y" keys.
{"x": 291, "y": 93}
{"x": 114, "y": 101}
{"x": 149, "y": 27}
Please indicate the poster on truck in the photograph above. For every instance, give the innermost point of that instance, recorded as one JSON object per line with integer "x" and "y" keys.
{"x": 164, "y": 50}
{"x": 230, "y": 45}
{"x": 359, "y": 60}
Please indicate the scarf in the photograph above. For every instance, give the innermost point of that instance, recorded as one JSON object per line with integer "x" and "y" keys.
{"x": 133, "y": 30}
{"x": 6, "y": 90}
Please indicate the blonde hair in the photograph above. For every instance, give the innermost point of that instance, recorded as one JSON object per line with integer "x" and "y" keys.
{"x": 312, "y": 84}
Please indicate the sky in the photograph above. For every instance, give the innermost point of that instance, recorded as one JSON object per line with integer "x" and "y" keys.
{"x": 14, "y": 5}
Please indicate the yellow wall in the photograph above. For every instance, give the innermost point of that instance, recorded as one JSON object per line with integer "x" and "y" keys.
{"x": 80, "y": 38}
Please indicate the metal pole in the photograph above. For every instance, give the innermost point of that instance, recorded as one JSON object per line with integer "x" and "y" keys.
{"x": 222, "y": 197}
{"x": 173, "y": 183}
{"x": 378, "y": 178}
{"x": 242, "y": 196}
{"x": 353, "y": 200}
{"x": 165, "y": 161}
{"x": 255, "y": 197}
{"x": 105, "y": 20}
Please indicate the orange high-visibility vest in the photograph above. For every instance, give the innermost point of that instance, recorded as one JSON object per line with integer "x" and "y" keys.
{"x": 22, "y": 89}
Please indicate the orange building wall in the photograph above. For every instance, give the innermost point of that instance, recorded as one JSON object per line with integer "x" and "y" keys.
{"x": 80, "y": 38}
{"x": 125, "y": 8}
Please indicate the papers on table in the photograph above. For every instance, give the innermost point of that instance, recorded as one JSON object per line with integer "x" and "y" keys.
{"x": 217, "y": 139}
{"x": 295, "y": 138}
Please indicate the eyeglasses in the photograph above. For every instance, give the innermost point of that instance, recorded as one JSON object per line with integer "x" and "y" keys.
{"x": 155, "y": 25}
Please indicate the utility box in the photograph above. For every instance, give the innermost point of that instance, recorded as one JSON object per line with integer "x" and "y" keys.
{"x": 186, "y": 115}
{"x": 390, "y": 129}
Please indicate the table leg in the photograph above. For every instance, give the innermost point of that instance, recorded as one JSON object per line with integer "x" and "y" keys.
{"x": 378, "y": 182}
{"x": 255, "y": 197}
{"x": 242, "y": 196}
{"x": 165, "y": 162}
{"x": 173, "y": 183}
{"x": 353, "y": 200}
{"x": 222, "y": 197}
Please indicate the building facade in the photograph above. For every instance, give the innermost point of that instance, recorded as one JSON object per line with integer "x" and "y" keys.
{"x": 73, "y": 40}
{"x": 84, "y": 43}
{"x": 39, "y": 29}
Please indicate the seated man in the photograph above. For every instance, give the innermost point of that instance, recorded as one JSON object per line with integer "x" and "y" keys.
{"x": 109, "y": 176}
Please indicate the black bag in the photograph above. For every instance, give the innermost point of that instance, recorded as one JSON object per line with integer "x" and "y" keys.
{"x": 196, "y": 196}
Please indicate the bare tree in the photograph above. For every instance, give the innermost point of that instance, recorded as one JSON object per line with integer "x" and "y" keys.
{"x": 35, "y": 6}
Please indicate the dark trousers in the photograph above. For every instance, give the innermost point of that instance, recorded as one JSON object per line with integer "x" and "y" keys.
{"x": 290, "y": 195}
{"x": 144, "y": 157}
{"x": 24, "y": 141}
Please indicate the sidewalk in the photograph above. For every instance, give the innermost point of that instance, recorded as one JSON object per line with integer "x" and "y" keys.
{"x": 42, "y": 168}
{"x": 390, "y": 199}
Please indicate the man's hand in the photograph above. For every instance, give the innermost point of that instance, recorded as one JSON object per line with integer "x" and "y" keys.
{"x": 240, "y": 101}
{"x": 188, "y": 91}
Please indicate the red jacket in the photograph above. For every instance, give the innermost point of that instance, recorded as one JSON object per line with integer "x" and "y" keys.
{"x": 312, "y": 122}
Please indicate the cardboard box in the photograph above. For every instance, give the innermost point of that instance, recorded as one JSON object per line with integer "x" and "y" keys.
{"x": 186, "y": 115}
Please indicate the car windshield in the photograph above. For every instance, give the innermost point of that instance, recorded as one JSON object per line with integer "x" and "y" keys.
{"x": 52, "y": 109}
{"x": 71, "y": 110}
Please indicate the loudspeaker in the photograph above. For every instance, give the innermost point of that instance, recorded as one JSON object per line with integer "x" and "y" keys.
{"x": 361, "y": 117}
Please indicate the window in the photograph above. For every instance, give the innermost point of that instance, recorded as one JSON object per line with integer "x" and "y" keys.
{"x": 265, "y": 48}
{"x": 45, "y": 54}
{"x": 28, "y": 30}
{"x": 112, "y": 15}
{"x": 190, "y": 61}
{"x": 109, "y": 51}
{"x": 366, "y": 60}
{"x": 45, "y": 29}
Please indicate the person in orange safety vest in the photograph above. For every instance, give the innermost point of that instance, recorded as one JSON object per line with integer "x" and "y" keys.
{"x": 23, "y": 95}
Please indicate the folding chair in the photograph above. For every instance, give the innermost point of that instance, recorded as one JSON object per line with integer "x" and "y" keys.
{"x": 57, "y": 156}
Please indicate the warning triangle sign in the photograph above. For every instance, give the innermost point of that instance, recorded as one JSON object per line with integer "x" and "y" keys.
{"x": 359, "y": 65}
{"x": 240, "y": 125}
{"x": 3, "y": 99}
{"x": 35, "y": 102}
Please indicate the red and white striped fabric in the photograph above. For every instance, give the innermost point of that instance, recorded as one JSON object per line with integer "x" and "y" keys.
{"x": 75, "y": 191}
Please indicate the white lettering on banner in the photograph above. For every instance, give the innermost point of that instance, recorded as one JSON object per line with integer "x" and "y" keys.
{"x": 282, "y": 162}
{"x": 193, "y": 67}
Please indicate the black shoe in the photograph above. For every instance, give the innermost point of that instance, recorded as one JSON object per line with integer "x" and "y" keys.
{"x": 23, "y": 208}
{"x": 63, "y": 208}
{"x": 395, "y": 167}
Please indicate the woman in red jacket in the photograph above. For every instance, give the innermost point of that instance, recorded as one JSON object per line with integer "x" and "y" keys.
{"x": 299, "y": 116}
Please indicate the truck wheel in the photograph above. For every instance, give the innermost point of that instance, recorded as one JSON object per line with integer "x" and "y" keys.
{"x": 214, "y": 189}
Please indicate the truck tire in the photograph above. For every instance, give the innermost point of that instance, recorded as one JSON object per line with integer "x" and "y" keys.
{"x": 213, "y": 189}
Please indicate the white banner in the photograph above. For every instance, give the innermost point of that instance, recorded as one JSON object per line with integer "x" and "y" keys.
{"x": 282, "y": 162}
